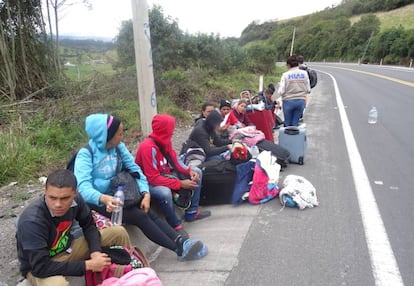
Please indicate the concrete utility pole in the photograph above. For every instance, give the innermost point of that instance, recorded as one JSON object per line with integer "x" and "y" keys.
{"x": 366, "y": 48}
{"x": 293, "y": 41}
{"x": 143, "y": 59}
{"x": 260, "y": 83}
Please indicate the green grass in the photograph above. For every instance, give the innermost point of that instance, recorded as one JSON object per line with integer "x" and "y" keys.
{"x": 20, "y": 196}
{"x": 403, "y": 16}
{"x": 399, "y": 17}
{"x": 43, "y": 139}
{"x": 19, "y": 158}
{"x": 86, "y": 72}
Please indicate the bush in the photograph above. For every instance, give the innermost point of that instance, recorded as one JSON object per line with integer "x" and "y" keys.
{"x": 19, "y": 160}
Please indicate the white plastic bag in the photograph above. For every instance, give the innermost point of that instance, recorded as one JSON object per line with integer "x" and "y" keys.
{"x": 300, "y": 190}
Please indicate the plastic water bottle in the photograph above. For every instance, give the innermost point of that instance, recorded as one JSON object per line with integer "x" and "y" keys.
{"x": 116, "y": 217}
{"x": 373, "y": 115}
{"x": 254, "y": 151}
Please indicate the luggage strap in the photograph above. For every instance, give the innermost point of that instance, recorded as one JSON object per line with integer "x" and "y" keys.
{"x": 291, "y": 130}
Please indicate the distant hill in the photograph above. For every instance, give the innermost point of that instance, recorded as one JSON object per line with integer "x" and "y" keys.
{"x": 86, "y": 44}
{"x": 403, "y": 16}
{"x": 75, "y": 37}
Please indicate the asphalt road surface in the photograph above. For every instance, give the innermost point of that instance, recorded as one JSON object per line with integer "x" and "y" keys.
{"x": 362, "y": 233}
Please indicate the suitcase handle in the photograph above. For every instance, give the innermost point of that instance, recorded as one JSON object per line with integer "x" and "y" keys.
{"x": 291, "y": 130}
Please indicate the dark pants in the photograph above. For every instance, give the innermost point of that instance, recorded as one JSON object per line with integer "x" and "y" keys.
{"x": 155, "y": 228}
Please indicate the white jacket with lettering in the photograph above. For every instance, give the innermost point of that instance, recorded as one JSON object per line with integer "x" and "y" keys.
{"x": 294, "y": 84}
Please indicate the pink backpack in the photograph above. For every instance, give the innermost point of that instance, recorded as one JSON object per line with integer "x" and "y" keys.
{"x": 137, "y": 261}
{"x": 248, "y": 135}
{"x": 137, "y": 277}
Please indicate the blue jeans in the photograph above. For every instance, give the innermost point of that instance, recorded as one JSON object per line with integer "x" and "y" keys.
{"x": 162, "y": 195}
{"x": 221, "y": 156}
{"x": 292, "y": 110}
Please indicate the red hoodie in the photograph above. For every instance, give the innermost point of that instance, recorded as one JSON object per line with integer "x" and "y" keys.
{"x": 151, "y": 159}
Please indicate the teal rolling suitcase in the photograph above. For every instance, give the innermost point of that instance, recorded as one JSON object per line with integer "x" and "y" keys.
{"x": 294, "y": 139}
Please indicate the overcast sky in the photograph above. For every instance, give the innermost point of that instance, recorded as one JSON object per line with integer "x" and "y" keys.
{"x": 225, "y": 17}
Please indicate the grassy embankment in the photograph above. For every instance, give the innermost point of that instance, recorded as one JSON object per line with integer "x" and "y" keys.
{"x": 399, "y": 17}
{"x": 41, "y": 135}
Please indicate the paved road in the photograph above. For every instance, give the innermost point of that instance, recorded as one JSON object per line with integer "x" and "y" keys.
{"x": 343, "y": 241}
{"x": 362, "y": 232}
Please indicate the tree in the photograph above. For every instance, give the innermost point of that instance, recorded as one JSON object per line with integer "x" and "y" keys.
{"x": 125, "y": 44}
{"x": 203, "y": 51}
{"x": 166, "y": 42}
{"x": 233, "y": 56}
{"x": 392, "y": 45}
{"x": 361, "y": 32}
{"x": 53, "y": 24}
{"x": 25, "y": 65}
{"x": 260, "y": 58}
{"x": 410, "y": 43}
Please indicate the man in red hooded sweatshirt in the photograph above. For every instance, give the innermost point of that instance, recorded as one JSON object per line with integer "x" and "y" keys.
{"x": 158, "y": 160}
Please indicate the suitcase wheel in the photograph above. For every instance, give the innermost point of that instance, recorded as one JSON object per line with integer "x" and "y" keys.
{"x": 300, "y": 160}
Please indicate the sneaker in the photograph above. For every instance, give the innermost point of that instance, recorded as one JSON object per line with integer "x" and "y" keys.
{"x": 245, "y": 196}
{"x": 192, "y": 249}
{"x": 181, "y": 231}
{"x": 189, "y": 217}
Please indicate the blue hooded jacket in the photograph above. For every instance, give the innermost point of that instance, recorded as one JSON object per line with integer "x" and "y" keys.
{"x": 95, "y": 170}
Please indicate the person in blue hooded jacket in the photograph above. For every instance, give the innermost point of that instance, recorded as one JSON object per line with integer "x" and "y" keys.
{"x": 94, "y": 171}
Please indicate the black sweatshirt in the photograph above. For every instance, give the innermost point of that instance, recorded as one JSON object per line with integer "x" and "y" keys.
{"x": 40, "y": 237}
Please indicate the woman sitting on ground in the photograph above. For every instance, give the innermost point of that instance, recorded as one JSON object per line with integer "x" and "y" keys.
{"x": 94, "y": 171}
{"x": 204, "y": 134}
{"x": 239, "y": 112}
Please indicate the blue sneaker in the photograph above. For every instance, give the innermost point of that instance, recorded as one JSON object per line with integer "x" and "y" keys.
{"x": 203, "y": 252}
{"x": 197, "y": 215}
{"x": 193, "y": 249}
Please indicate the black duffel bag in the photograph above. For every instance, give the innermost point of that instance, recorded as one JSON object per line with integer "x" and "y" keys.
{"x": 219, "y": 178}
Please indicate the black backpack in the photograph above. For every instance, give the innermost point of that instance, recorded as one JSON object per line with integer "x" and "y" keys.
{"x": 313, "y": 76}
{"x": 71, "y": 163}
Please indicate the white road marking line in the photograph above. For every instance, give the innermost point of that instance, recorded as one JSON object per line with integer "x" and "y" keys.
{"x": 383, "y": 262}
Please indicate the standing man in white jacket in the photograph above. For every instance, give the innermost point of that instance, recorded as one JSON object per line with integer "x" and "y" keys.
{"x": 294, "y": 89}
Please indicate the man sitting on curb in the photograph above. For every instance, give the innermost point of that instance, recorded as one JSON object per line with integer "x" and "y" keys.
{"x": 46, "y": 249}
